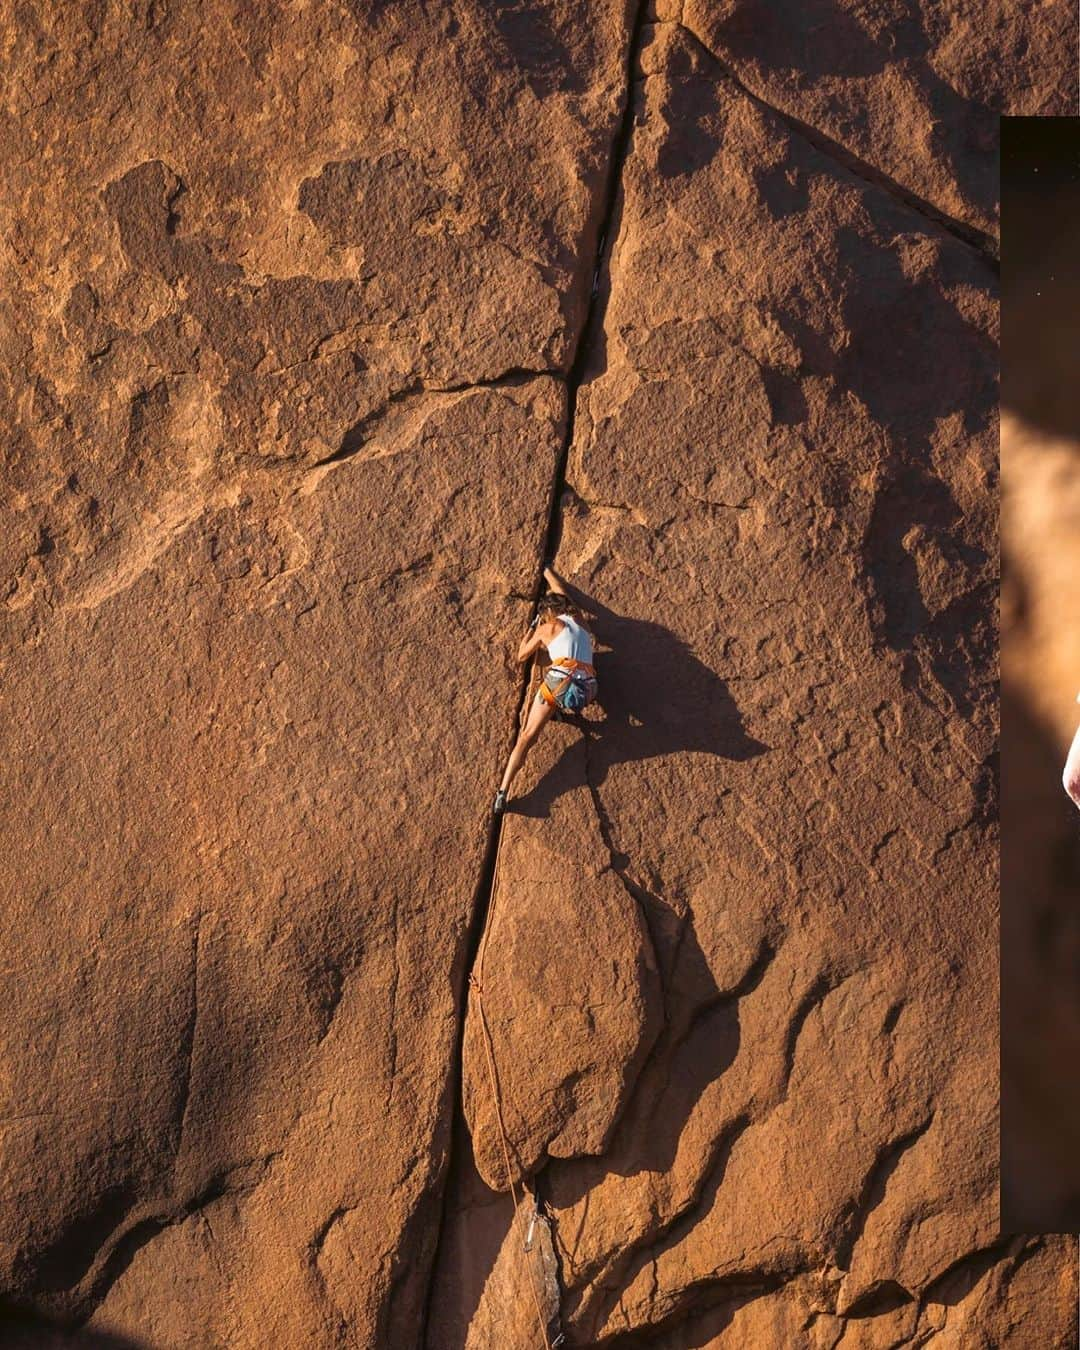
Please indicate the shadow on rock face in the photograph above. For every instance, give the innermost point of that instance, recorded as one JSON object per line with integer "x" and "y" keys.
{"x": 700, "y": 1041}
{"x": 532, "y": 43}
{"x": 701, "y": 1323}
{"x": 24, "y": 1330}
{"x": 690, "y": 144}
{"x": 824, "y": 42}
{"x": 657, "y": 699}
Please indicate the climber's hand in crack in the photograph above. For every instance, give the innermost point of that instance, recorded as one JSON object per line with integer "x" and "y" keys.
{"x": 554, "y": 585}
{"x": 569, "y": 683}
{"x": 1070, "y": 778}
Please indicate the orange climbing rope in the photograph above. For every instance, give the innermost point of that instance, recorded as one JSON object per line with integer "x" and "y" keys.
{"x": 476, "y": 983}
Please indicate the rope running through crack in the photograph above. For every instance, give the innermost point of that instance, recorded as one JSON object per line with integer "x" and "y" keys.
{"x": 476, "y": 983}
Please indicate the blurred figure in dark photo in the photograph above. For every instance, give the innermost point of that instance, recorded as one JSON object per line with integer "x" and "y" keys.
{"x": 1040, "y": 662}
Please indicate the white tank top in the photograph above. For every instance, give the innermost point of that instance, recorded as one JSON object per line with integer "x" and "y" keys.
{"x": 572, "y": 641}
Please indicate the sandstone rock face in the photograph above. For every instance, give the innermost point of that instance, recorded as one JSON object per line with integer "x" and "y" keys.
{"x": 298, "y": 330}
{"x": 907, "y": 93}
{"x": 570, "y": 993}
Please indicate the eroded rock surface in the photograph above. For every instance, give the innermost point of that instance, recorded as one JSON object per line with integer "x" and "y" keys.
{"x": 909, "y": 94}
{"x": 296, "y": 311}
{"x": 570, "y": 994}
{"x": 282, "y": 306}
{"x": 781, "y": 494}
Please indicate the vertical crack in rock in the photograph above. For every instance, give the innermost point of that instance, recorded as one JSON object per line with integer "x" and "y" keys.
{"x": 550, "y": 1230}
{"x": 188, "y": 1041}
{"x": 605, "y": 240}
{"x": 590, "y": 325}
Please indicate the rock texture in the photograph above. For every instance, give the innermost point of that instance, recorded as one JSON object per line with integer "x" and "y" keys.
{"x": 908, "y": 94}
{"x": 290, "y": 295}
{"x": 322, "y": 322}
{"x": 573, "y": 994}
{"x": 781, "y": 486}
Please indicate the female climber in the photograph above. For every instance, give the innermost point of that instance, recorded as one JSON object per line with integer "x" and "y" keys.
{"x": 570, "y": 682}
{"x": 1070, "y": 778}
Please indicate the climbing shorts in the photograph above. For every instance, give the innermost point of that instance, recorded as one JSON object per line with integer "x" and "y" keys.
{"x": 570, "y": 690}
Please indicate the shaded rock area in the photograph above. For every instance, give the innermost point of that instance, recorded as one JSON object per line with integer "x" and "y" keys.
{"x": 908, "y": 94}
{"x": 322, "y": 322}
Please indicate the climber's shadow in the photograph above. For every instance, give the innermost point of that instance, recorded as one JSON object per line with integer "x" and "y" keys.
{"x": 656, "y": 698}
{"x": 699, "y": 1042}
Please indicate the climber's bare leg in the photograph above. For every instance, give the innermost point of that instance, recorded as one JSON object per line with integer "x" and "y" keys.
{"x": 539, "y": 713}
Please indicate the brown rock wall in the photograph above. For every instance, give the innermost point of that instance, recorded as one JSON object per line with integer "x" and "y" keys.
{"x": 907, "y": 93}
{"x": 780, "y": 495}
{"x": 295, "y": 328}
{"x": 282, "y": 300}
{"x": 228, "y": 918}
{"x": 570, "y": 995}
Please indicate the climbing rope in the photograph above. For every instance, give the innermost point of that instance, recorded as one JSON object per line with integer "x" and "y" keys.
{"x": 476, "y": 983}
{"x": 506, "y": 1153}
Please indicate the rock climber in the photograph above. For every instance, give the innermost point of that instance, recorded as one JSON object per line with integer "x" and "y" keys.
{"x": 1070, "y": 778}
{"x": 570, "y": 681}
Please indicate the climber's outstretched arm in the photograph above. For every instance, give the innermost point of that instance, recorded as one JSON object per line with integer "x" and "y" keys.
{"x": 529, "y": 644}
{"x": 1070, "y": 778}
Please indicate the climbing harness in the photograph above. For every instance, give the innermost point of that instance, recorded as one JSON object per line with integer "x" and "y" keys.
{"x": 576, "y": 690}
{"x": 476, "y": 984}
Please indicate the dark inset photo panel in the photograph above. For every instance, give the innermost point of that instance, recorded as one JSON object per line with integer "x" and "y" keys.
{"x": 1040, "y": 676}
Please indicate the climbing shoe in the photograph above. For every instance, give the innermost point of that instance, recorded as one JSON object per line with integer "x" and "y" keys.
{"x": 500, "y": 802}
